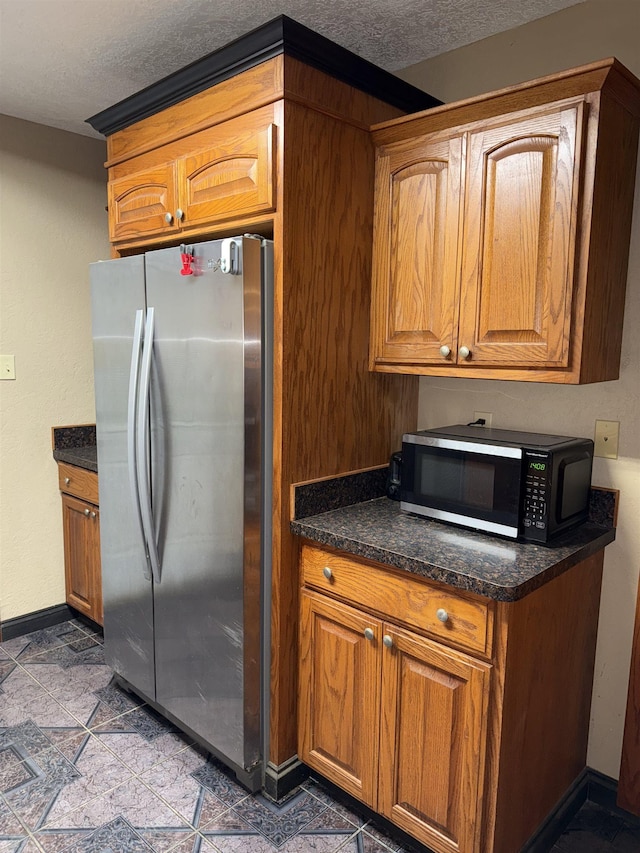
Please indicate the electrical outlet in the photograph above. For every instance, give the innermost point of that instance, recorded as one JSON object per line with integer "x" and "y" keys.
{"x": 7, "y": 367}
{"x": 606, "y": 439}
{"x": 486, "y": 416}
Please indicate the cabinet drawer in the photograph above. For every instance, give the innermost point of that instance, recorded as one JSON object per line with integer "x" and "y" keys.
{"x": 402, "y": 597}
{"x": 79, "y": 482}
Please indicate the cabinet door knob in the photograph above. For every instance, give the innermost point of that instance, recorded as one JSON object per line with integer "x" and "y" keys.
{"x": 327, "y": 573}
{"x": 67, "y": 480}
{"x": 464, "y": 352}
{"x": 388, "y": 641}
{"x": 368, "y": 633}
{"x": 179, "y": 215}
{"x": 168, "y": 218}
{"x": 93, "y": 515}
{"x": 442, "y": 614}
{"x": 445, "y": 352}
{"x": 87, "y": 512}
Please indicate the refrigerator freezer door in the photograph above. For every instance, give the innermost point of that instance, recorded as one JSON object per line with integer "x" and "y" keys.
{"x": 206, "y": 675}
{"x": 117, "y": 293}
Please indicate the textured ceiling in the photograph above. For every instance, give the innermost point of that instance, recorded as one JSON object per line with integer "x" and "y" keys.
{"x": 64, "y": 60}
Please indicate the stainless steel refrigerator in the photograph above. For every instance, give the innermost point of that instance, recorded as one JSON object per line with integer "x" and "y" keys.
{"x": 182, "y": 361}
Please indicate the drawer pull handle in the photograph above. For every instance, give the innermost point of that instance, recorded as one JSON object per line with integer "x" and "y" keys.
{"x": 442, "y": 614}
{"x": 327, "y": 573}
{"x": 67, "y": 480}
{"x": 388, "y": 641}
{"x": 368, "y": 633}
{"x": 87, "y": 512}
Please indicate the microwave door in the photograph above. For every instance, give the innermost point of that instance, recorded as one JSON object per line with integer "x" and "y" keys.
{"x": 470, "y": 484}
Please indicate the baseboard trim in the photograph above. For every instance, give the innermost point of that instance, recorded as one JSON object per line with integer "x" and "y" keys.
{"x": 603, "y": 790}
{"x": 560, "y": 816}
{"x": 36, "y": 621}
{"x": 280, "y": 780}
{"x": 589, "y": 785}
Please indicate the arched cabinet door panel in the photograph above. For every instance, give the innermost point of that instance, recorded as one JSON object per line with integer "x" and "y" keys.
{"x": 416, "y": 278}
{"x": 230, "y": 178}
{"x": 520, "y": 214}
{"x": 144, "y": 202}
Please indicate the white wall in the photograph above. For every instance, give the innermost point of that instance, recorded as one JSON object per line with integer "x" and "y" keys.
{"x": 580, "y": 34}
{"x": 53, "y": 223}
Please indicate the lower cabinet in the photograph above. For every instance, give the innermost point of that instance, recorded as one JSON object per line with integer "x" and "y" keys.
{"x": 461, "y": 719}
{"x": 81, "y": 530}
{"x": 395, "y": 719}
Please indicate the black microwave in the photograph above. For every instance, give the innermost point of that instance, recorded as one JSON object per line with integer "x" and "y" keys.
{"x": 517, "y": 484}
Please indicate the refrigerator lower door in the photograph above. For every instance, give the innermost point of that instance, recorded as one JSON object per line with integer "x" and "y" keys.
{"x": 117, "y": 294}
{"x": 205, "y": 461}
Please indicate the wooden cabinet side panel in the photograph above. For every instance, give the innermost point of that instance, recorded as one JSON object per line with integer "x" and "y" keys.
{"x": 547, "y": 668}
{"x": 606, "y": 253}
{"x": 340, "y": 695}
{"x": 434, "y": 707}
{"x": 416, "y": 236}
{"x": 330, "y": 413}
{"x": 330, "y": 395}
{"x": 629, "y": 783}
{"x": 521, "y": 212}
{"x": 98, "y": 607}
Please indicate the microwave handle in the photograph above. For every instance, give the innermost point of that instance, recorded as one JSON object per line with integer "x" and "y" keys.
{"x": 465, "y": 446}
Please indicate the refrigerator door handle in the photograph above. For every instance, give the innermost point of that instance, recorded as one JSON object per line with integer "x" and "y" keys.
{"x": 131, "y": 428}
{"x": 142, "y": 454}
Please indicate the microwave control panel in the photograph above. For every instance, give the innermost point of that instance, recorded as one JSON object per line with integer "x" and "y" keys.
{"x": 536, "y": 489}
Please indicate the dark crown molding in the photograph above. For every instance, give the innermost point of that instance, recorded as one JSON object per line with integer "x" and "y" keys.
{"x": 281, "y": 35}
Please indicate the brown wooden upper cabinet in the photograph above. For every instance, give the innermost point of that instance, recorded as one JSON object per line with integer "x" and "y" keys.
{"x": 501, "y": 233}
{"x": 207, "y": 177}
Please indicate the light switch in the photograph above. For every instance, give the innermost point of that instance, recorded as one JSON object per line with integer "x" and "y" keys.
{"x": 606, "y": 439}
{"x": 7, "y": 367}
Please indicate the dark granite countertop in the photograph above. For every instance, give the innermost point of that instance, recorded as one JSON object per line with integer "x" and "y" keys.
{"x": 83, "y": 457}
{"x": 501, "y": 569}
{"x": 76, "y": 445}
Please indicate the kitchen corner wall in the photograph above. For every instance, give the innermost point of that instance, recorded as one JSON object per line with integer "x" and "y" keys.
{"x": 53, "y": 223}
{"x": 580, "y": 34}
